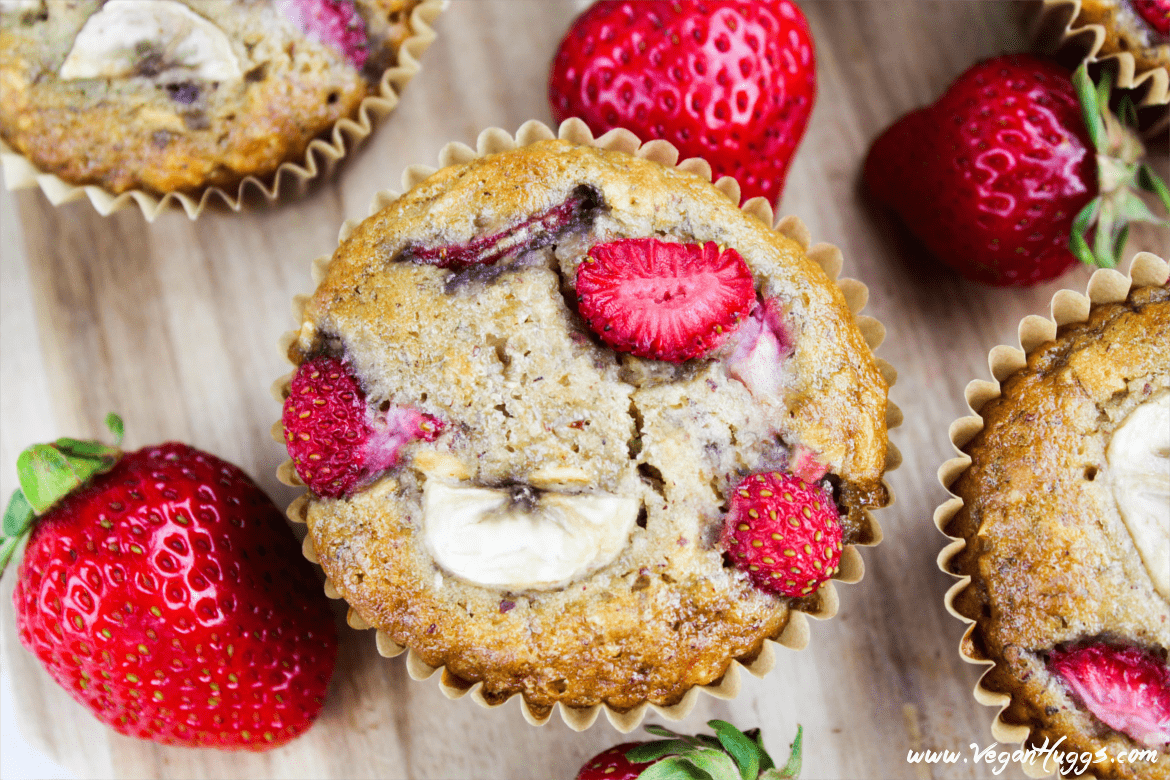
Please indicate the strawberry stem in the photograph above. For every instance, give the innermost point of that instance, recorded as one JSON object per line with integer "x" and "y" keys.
{"x": 48, "y": 473}
{"x": 1120, "y": 174}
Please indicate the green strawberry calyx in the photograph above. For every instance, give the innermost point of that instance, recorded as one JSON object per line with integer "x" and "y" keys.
{"x": 729, "y": 755}
{"x": 48, "y": 473}
{"x": 1120, "y": 174}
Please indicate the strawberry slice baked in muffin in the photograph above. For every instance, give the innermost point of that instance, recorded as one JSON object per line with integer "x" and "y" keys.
{"x": 577, "y": 428}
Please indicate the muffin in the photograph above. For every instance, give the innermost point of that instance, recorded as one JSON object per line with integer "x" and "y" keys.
{"x": 167, "y": 97}
{"x": 535, "y": 495}
{"x": 1062, "y": 522}
{"x": 1133, "y": 35}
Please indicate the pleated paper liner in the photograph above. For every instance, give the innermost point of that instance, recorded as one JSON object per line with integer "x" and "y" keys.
{"x": 1062, "y": 28}
{"x": 795, "y": 634}
{"x": 1067, "y": 307}
{"x": 319, "y": 158}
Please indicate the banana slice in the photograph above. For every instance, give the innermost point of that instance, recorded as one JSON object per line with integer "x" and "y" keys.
{"x": 1138, "y": 458}
{"x": 521, "y": 538}
{"x": 150, "y": 38}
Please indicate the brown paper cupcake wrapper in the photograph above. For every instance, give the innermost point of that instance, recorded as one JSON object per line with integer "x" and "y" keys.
{"x": 1105, "y": 286}
{"x": 795, "y": 634}
{"x": 320, "y": 155}
{"x": 1057, "y": 27}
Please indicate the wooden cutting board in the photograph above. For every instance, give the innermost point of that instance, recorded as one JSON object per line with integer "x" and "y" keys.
{"x": 175, "y": 324}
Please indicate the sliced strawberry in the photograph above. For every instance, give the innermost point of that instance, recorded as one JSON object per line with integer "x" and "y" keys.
{"x": 1127, "y": 689}
{"x": 784, "y": 532}
{"x": 1156, "y": 12}
{"x": 533, "y": 233}
{"x": 336, "y": 441}
{"x": 664, "y": 301}
{"x": 335, "y": 23}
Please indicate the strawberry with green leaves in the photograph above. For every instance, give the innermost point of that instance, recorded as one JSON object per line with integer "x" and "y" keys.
{"x": 729, "y": 755}
{"x": 1005, "y": 175}
{"x": 164, "y": 591}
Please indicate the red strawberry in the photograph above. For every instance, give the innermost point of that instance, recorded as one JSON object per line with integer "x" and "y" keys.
{"x": 612, "y": 764}
{"x": 729, "y": 755}
{"x": 731, "y": 82}
{"x": 164, "y": 591}
{"x": 335, "y": 23}
{"x": 998, "y": 178}
{"x": 336, "y": 440}
{"x": 533, "y": 233}
{"x": 1156, "y": 12}
{"x": 784, "y": 532}
{"x": 1128, "y": 688}
{"x": 664, "y": 301}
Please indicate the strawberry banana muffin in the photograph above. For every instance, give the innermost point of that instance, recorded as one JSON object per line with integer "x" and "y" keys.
{"x": 577, "y": 427}
{"x": 1066, "y": 517}
{"x": 168, "y": 96}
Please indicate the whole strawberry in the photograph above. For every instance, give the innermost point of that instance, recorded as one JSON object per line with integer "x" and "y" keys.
{"x": 163, "y": 590}
{"x": 729, "y": 755}
{"x": 336, "y": 440}
{"x": 731, "y": 82}
{"x": 1000, "y": 178}
{"x": 784, "y": 532}
{"x": 1126, "y": 688}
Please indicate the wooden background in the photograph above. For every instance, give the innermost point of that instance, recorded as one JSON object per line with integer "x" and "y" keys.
{"x": 175, "y": 324}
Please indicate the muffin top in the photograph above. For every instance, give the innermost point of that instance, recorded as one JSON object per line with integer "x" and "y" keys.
{"x": 1066, "y": 517}
{"x": 553, "y": 527}
{"x": 177, "y": 96}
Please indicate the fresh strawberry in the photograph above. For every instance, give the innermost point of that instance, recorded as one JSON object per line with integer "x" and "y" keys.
{"x": 664, "y": 300}
{"x": 1127, "y": 689}
{"x": 784, "y": 532}
{"x": 336, "y": 440}
{"x": 729, "y": 755}
{"x": 612, "y": 764}
{"x": 533, "y": 233}
{"x": 335, "y": 23}
{"x": 163, "y": 590}
{"x": 1156, "y": 12}
{"x": 733, "y": 83}
{"x": 1000, "y": 178}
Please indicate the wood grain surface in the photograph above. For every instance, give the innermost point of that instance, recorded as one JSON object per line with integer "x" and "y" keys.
{"x": 175, "y": 324}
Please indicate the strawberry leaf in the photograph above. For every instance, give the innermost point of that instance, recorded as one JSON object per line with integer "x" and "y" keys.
{"x": 652, "y": 751}
{"x": 674, "y": 768}
{"x": 18, "y": 518}
{"x": 1087, "y": 96}
{"x": 45, "y": 476}
{"x": 114, "y": 423}
{"x": 792, "y": 768}
{"x": 737, "y": 744}
{"x": 1080, "y": 226}
{"x": 1151, "y": 182}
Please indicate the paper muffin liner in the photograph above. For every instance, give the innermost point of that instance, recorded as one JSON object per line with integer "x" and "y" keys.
{"x": 1067, "y": 307}
{"x": 795, "y": 634}
{"x": 320, "y": 155}
{"x": 1058, "y": 27}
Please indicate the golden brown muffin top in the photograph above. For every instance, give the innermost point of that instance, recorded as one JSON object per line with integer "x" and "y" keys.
{"x": 1052, "y": 559}
{"x": 198, "y": 94}
{"x": 526, "y": 389}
